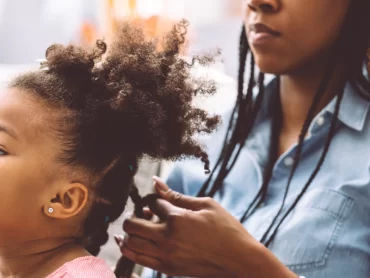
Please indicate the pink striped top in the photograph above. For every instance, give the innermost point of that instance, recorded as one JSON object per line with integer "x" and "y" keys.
{"x": 84, "y": 267}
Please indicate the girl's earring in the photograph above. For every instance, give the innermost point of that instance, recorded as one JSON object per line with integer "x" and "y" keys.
{"x": 50, "y": 210}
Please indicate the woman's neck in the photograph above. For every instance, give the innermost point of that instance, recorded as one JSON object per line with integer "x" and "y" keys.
{"x": 37, "y": 258}
{"x": 297, "y": 92}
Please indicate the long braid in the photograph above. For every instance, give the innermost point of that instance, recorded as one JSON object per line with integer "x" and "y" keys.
{"x": 114, "y": 111}
{"x": 96, "y": 236}
{"x": 357, "y": 79}
{"x": 243, "y": 52}
{"x": 125, "y": 267}
{"x": 249, "y": 125}
{"x": 138, "y": 202}
{"x": 320, "y": 92}
{"x": 274, "y": 143}
{"x": 330, "y": 136}
{"x": 243, "y": 110}
{"x": 260, "y": 196}
{"x": 108, "y": 206}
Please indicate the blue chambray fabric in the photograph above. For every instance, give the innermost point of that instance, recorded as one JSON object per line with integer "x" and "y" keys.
{"x": 328, "y": 233}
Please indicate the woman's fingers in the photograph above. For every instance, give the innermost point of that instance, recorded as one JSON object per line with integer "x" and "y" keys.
{"x": 145, "y": 229}
{"x": 148, "y": 214}
{"x": 178, "y": 199}
{"x": 163, "y": 209}
{"x": 140, "y": 245}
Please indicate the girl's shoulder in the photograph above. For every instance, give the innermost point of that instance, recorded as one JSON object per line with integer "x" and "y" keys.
{"x": 84, "y": 267}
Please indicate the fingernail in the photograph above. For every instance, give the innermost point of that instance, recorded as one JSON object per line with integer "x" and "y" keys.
{"x": 118, "y": 239}
{"x": 158, "y": 179}
{"x": 160, "y": 185}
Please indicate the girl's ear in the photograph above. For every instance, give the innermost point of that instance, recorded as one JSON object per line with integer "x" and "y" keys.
{"x": 68, "y": 201}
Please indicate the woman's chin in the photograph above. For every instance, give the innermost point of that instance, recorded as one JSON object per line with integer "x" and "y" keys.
{"x": 272, "y": 66}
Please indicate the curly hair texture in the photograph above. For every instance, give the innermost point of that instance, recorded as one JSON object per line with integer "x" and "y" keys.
{"x": 130, "y": 100}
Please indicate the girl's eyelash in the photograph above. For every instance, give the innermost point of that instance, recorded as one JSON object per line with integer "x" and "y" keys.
{"x": 2, "y": 152}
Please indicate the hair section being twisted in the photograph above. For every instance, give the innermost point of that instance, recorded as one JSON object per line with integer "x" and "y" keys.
{"x": 118, "y": 104}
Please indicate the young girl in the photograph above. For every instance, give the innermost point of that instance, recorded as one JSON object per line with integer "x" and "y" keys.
{"x": 71, "y": 136}
{"x": 292, "y": 184}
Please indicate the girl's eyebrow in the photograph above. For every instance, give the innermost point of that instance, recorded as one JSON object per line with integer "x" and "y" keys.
{"x": 9, "y": 131}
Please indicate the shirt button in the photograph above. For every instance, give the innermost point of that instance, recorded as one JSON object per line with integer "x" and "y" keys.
{"x": 289, "y": 161}
{"x": 320, "y": 121}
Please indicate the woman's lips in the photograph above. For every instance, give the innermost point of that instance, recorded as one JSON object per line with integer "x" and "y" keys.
{"x": 260, "y": 34}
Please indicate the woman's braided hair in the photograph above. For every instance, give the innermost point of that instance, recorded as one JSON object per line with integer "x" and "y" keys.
{"x": 353, "y": 45}
{"x": 134, "y": 100}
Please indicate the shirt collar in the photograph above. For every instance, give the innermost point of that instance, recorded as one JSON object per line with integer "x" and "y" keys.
{"x": 353, "y": 110}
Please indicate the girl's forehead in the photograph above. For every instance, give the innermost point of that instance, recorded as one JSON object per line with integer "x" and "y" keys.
{"x": 22, "y": 113}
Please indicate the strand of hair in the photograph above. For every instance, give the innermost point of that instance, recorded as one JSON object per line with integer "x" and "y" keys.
{"x": 330, "y": 136}
{"x": 320, "y": 92}
{"x": 243, "y": 51}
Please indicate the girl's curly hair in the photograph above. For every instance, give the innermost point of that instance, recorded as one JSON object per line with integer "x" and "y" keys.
{"x": 134, "y": 100}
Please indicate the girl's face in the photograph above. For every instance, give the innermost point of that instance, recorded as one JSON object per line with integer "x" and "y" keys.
{"x": 31, "y": 177}
{"x": 286, "y": 35}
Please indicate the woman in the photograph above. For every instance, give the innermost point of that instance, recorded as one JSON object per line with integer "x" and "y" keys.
{"x": 291, "y": 183}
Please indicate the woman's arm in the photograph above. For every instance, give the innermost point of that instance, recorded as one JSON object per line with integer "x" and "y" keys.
{"x": 197, "y": 238}
{"x": 270, "y": 266}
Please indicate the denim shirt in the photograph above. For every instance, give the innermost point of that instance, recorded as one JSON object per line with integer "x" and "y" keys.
{"x": 327, "y": 235}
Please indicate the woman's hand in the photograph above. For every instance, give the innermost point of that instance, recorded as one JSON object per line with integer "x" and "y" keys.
{"x": 196, "y": 237}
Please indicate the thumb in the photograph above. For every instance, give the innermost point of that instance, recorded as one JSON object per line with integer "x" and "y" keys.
{"x": 178, "y": 199}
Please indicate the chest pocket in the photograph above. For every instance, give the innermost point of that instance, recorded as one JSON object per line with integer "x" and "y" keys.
{"x": 306, "y": 238}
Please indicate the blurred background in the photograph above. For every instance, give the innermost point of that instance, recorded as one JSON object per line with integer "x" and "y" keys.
{"x": 28, "y": 27}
